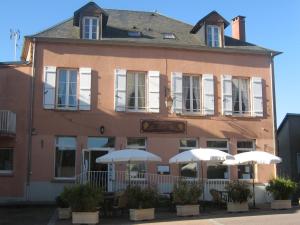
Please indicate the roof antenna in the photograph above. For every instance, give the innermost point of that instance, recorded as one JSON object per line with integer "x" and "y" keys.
{"x": 15, "y": 36}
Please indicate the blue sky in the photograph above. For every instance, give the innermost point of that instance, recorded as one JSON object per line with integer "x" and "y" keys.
{"x": 272, "y": 24}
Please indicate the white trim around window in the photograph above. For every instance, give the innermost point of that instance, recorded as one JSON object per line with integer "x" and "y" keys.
{"x": 89, "y": 31}
{"x": 10, "y": 157}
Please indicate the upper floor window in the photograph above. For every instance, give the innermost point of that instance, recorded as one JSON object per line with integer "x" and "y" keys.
{"x": 67, "y": 89}
{"x": 6, "y": 160}
{"x": 91, "y": 28}
{"x": 136, "y": 91}
{"x": 240, "y": 96}
{"x": 213, "y": 36}
{"x": 191, "y": 93}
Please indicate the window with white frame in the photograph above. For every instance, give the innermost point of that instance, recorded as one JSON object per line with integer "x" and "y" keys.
{"x": 66, "y": 89}
{"x": 91, "y": 28}
{"x": 188, "y": 170}
{"x": 245, "y": 171}
{"x": 136, "y": 91}
{"x": 218, "y": 171}
{"x": 65, "y": 154}
{"x": 6, "y": 160}
{"x": 191, "y": 88}
{"x": 137, "y": 170}
{"x": 213, "y": 36}
{"x": 240, "y": 96}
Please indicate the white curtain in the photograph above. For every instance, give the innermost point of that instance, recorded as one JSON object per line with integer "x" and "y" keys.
{"x": 186, "y": 93}
{"x": 141, "y": 90}
{"x": 244, "y": 84}
{"x": 130, "y": 91}
{"x": 235, "y": 95}
{"x": 196, "y": 94}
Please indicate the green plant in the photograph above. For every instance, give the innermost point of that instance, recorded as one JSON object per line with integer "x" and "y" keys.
{"x": 281, "y": 188}
{"x": 62, "y": 199}
{"x": 84, "y": 198}
{"x": 141, "y": 198}
{"x": 238, "y": 191}
{"x": 185, "y": 193}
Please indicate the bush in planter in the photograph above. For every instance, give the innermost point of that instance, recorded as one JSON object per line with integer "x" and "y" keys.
{"x": 64, "y": 210}
{"x": 138, "y": 198}
{"x": 185, "y": 193}
{"x": 281, "y": 188}
{"x": 61, "y": 202}
{"x": 238, "y": 191}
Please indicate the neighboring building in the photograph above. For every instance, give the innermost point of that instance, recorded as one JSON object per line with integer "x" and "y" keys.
{"x": 110, "y": 79}
{"x": 288, "y": 135}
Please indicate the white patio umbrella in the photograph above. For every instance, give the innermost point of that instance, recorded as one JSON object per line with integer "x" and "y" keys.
{"x": 213, "y": 156}
{"x": 128, "y": 156}
{"x": 252, "y": 158}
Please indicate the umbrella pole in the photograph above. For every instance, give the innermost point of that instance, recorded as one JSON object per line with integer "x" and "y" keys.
{"x": 129, "y": 174}
{"x": 253, "y": 185}
{"x": 202, "y": 181}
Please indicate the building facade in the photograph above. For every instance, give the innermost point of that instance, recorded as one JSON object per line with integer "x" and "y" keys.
{"x": 108, "y": 79}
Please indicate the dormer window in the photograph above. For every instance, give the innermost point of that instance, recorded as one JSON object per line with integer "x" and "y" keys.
{"x": 91, "y": 28}
{"x": 134, "y": 33}
{"x": 213, "y": 36}
{"x": 169, "y": 36}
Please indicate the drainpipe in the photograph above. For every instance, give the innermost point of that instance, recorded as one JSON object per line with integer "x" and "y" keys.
{"x": 30, "y": 122}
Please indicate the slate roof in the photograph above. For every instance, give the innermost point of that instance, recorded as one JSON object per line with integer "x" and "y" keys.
{"x": 152, "y": 25}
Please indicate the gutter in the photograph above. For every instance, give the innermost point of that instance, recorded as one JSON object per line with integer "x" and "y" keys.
{"x": 30, "y": 123}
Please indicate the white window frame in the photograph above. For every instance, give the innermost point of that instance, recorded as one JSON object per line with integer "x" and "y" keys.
{"x": 240, "y": 112}
{"x": 67, "y": 107}
{"x": 211, "y": 28}
{"x": 136, "y": 92}
{"x": 239, "y": 150}
{"x": 90, "y": 18}
{"x": 227, "y": 150}
{"x": 182, "y": 149}
{"x": 139, "y": 148}
{"x": 191, "y": 112}
{"x": 8, "y": 171}
{"x": 55, "y": 146}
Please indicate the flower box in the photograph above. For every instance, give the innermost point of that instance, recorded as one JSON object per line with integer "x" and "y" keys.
{"x": 85, "y": 217}
{"x": 237, "y": 207}
{"x": 64, "y": 213}
{"x": 281, "y": 204}
{"x": 187, "y": 210}
{"x": 141, "y": 214}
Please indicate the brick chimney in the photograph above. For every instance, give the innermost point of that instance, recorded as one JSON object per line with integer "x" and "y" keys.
{"x": 238, "y": 28}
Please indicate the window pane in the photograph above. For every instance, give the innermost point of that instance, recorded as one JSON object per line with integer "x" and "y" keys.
{"x": 130, "y": 90}
{"x": 196, "y": 94}
{"x": 186, "y": 93}
{"x": 216, "y": 144}
{"x": 188, "y": 170}
{"x": 245, "y": 171}
{"x": 235, "y": 95}
{"x": 6, "y": 159}
{"x": 136, "y": 143}
{"x": 101, "y": 142}
{"x": 65, "y": 163}
{"x": 244, "y": 85}
{"x": 66, "y": 142}
{"x": 217, "y": 172}
{"x": 216, "y": 37}
{"x": 245, "y": 144}
{"x": 141, "y": 91}
{"x": 188, "y": 143}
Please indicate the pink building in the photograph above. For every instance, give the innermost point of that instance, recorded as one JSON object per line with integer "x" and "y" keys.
{"x": 112, "y": 79}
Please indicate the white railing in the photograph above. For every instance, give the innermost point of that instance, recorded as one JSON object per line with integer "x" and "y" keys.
{"x": 7, "y": 122}
{"x": 119, "y": 180}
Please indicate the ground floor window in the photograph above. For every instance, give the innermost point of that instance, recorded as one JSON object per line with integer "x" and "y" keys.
{"x": 189, "y": 170}
{"x": 6, "y": 160}
{"x": 101, "y": 142}
{"x": 245, "y": 171}
{"x": 137, "y": 170}
{"x": 218, "y": 171}
{"x": 65, "y": 153}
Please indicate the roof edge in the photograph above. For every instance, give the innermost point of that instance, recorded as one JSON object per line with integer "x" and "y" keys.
{"x": 286, "y": 118}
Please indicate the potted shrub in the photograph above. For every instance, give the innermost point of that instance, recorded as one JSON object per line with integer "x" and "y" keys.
{"x": 281, "y": 190}
{"x": 64, "y": 210}
{"x": 141, "y": 202}
{"x": 238, "y": 195}
{"x": 186, "y": 196}
{"x": 84, "y": 201}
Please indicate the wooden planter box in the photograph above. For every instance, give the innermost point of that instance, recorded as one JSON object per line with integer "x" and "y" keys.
{"x": 281, "y": 204}
{"x": 141, "y": 214}
{"x": 237, "y": 207}
{"x": 64, "y": 213}
{"x": 85, "y": 217}
{"x": 187, "y": 210}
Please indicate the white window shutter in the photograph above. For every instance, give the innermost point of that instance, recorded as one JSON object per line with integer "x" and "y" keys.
{"x": 153, "y": 91}
{"x": 85, "y": 78}
{"x": 177, "y": 92}
{"x": 257, "y": 96}
{"x": 49, "y": 87}
{"x": 226, "y": 94}
{"x": 120, "y": 90}
{"x": 208, "y": 94}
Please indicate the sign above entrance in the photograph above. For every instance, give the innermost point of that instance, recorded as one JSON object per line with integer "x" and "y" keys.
{"x": 163, "y": 126}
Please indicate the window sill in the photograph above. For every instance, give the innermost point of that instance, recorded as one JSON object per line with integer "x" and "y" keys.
{"x": 8, "y": 173}
{"x": 62, "y": 180}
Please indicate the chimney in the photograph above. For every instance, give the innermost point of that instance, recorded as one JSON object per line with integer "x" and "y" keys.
{"x": 238, "y": 28}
